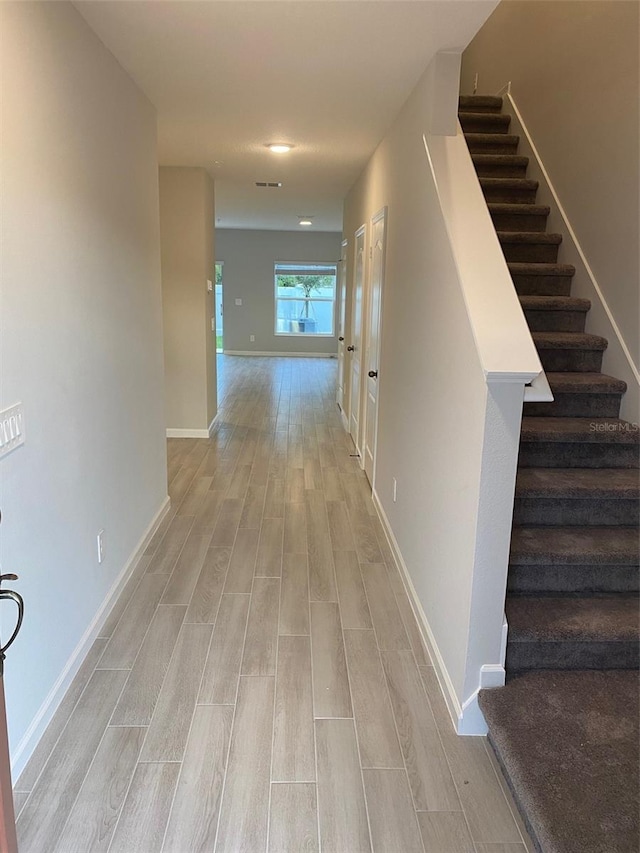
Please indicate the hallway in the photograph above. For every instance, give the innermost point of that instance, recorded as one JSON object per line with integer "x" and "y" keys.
{"x": 261, "y": 683}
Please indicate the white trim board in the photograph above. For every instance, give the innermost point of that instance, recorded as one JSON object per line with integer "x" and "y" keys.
{"x": 29, "y": 741}
{"x": 189, "y": 433}
{"x": 283, "y": 354}
{"x": 466, "y": 719}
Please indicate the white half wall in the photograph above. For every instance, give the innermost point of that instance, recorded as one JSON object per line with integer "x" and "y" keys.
{"x": 249, "y": 257}
{"x": 81, "y": 339}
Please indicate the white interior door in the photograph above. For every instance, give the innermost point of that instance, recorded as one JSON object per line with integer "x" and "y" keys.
{"x": 342, "y": 295}
{"x": 372, "y": 353}
{"x": 355, "y": 340}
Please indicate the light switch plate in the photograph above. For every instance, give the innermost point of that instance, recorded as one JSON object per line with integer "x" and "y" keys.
{"x": 238, "y": 301}
{"x": 11, "y": 429}
{"x": 209, "y": 285}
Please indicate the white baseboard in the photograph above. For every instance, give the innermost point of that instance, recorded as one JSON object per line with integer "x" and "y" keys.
{"x": 29, "y": 741}
{"x": 466, "y": 719}
{"x": 211, "y": 425}
{"x": 189, "y": 433}
{"x": 282, "y": 354}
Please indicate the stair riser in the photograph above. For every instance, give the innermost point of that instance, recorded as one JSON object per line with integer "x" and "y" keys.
{"x": 576, "y": 406}
{"x": 571, "y": 655}
{"x": 585, "y": 580}
{"x": 556, "y": 321}
{"x": 485, "y": 123}
{"x": 542, "y": 285}
{"x": 500, "y": 170}
{"x": 555, "y": 454}
{"x": 510, "y": 195}
{"x": 571, "y": 360}
{"x": 530, "y": 253}
{"x": 507, "y": 146}
{"x": 567, "y": 512}
{"x": 519, "y": 221}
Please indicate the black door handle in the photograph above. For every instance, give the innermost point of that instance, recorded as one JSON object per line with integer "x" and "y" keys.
{"x": 373, "y": 374}
{"x": 340, "y": 338}
{"x": 351, "y": 349}
{"x": 9, "y": 594}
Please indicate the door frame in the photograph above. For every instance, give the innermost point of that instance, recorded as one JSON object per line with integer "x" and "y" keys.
{"x": 341, "y": 325}
{"x": 357, "y": 354}
{"x": 380, "y": 215}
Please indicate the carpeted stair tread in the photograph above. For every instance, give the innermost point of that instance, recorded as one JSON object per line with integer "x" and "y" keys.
{"x": 578, "y": 483}
{"x": 568, "y": 742}
{"x": 569, "y": 340}
{"x": 480, "y": 142}
{"x": 484, "y": 119}
{"x": 478, "y": 103}
{"x": 587, "y": 430}
{"x": 585, "y": 383}
{"x": 529, "y": 237}
{"x": 500, "y": 160}
{"x": 519, "y": 268}
{"x": 518, "y": 209}
{"x": 508, "y": 183}
{"x": 554, "y": 303}
{"x": 575, "y": 546}
{"x": 551, "y": 619}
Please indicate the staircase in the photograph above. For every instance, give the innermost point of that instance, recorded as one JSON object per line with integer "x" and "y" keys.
{"x": 565, "y": 725}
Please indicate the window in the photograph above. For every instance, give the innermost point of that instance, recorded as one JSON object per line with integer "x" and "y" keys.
{"x": 305, "y": 298}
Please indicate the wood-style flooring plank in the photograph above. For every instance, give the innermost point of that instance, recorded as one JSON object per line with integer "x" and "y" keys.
{"x": 331, "y": 695}
{"x": 252, "y": 507}
{"x": 293, "y": 824}
{"x": 127, "y": 638}
{"x": 95, "y": 813}
{"x": 205, "y": 600}
{"x": 185, "y": 574}
{"x": 168, "y": 551}
{"x": 446, "y": 832}
{"x": 262, "y": 629}
{"x": 322, "y": 586}
{"x": 295, "y": 528}
{"x": 394, "y": 825}
{"x": 245, "y": 803}
{"x": 43, "y": 817}
{"x": 194, "y": 816}
{"x": 294, "y": 595}
{"x": 375, "y": 724}
{"x": 224, "y": 533}
{"x": 341, "y": 802}
{"x": 293, "y": 746}
{"x": 429, "y": 775}
{"x": 243, "y": 561}
{"x": 385, "y": 614}
{"x": 269, "y": 557}
{"x": 138, "y": 700}
{"x": 354, "y": 608}
{"x": 169, "y": 728}
{"x": 146, "y": 809}
{"x": 222, "y": 669}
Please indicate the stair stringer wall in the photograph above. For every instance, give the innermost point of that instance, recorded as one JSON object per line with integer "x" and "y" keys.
{"x": 617, "y": 359}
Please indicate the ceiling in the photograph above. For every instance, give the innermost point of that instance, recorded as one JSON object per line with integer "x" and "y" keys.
{"x": 229, "y": 76}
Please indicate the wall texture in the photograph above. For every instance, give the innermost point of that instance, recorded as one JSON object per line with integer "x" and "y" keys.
{"x": 248, "y": 258}
{"x": 573, "y": 67}
{"x": 81, "y": 338}
{"x": 187, "y": 240}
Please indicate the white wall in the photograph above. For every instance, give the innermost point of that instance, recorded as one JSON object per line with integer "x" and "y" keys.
{"x": 81, "y": 338}
{"x": 451, "y": 327}
{"x": 248, "y": 258}
{"x": 187, "y": 244}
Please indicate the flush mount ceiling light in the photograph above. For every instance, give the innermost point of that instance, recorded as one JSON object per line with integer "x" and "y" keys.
{"x": 279, "y": 147}
{"x": 305, "y": 221}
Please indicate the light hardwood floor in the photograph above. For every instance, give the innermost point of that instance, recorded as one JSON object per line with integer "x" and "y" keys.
{"x": 261, "y": 684}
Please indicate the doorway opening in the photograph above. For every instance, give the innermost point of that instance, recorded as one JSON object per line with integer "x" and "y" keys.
{"x": 219, "y": 307}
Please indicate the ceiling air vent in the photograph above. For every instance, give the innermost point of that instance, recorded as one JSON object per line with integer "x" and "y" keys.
{"x": 274, "y": 184}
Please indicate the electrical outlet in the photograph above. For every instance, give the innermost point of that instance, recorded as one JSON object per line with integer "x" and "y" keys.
{"x": 213, "y": 324}
{"x": 209, "y": 285}
{"x": 252, "y": 338}
{"x": 100, "y": 543}
{"x": 395, "y": 490}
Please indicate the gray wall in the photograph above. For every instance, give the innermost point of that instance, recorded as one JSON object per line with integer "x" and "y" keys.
{"x": 573, "y": 67}
{"x": 81, "y": 338}
{"x": 248, "y": 258}
{"x": 187, "y": 240}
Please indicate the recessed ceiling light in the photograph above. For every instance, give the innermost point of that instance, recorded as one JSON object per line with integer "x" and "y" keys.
{"x": 279, "y": 147}
{"x": 305, "y": 222}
